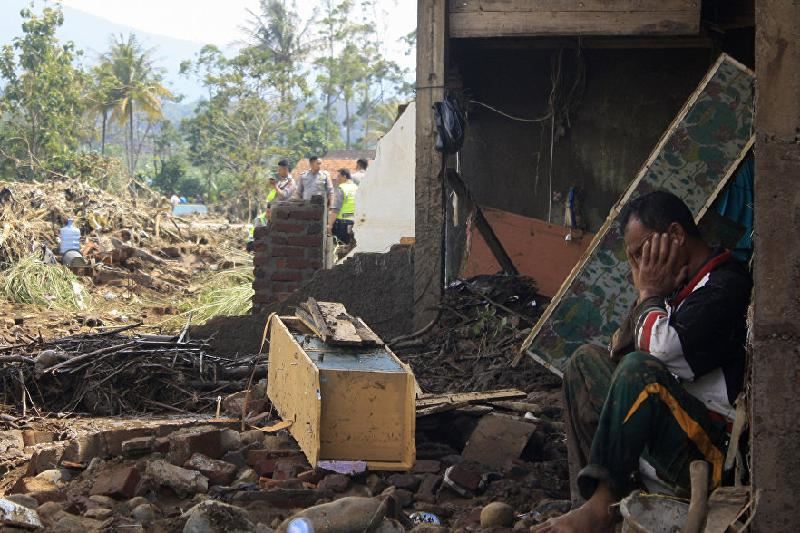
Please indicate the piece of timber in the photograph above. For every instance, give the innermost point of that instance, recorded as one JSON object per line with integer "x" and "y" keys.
{"x": 694, "y": 159}
{"x": 339, "y": 323}
{"x": 488, "y": 234}
{"x": 440, "y": 408}
{"x": 469, "y": 397}
{"x": 518, "y": 18}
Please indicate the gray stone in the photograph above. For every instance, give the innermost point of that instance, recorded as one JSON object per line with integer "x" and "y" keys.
{"x": 145, "y": 514}
{"x": 15, "y": 514}
{"x": 24, "y": 500}
{"x": 230, "y": 440}
{"x": 346, "y": 514}
{"x": 212, "y": 516}
{"x": 99, "y": 513}
{"x": 182, "y": 481}
{"x": 103, "y": 501}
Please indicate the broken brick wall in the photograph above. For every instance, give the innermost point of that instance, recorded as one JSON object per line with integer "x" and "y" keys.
{"x": 287, "y": 252}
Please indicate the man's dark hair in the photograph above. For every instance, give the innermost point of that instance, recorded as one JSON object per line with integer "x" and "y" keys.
{"x": 283, "y": 163}
{"x": 344, "y": 172}
{"x": 362, "y": 164}
{"x": 657, "y": 210}
{"x": 313, "y": 158}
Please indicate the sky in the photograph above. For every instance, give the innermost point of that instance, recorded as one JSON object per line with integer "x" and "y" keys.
{"x": 219, "y": 21}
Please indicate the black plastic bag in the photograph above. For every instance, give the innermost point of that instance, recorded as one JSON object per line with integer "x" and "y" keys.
{"x": 450, "y": 123}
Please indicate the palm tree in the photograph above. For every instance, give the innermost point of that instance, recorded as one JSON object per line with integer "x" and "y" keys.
{"x": 138, "y": 87}
{"x": 101, "y": 98}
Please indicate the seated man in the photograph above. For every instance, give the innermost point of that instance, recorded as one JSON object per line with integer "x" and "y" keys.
{"x": 668, "y": 400}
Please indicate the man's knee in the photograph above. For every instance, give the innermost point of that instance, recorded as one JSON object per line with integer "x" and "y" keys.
{"x": 584, "y": 359}
{"x": 640, "y": 365}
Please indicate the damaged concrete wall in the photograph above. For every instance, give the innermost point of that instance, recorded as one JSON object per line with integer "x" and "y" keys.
{"x": 385, "y": 199}
{"x": 379, "y": 288}
{"x": 776, "y": 335}
{"x": 630, "y": 97}
{"x": 287, "y": 252}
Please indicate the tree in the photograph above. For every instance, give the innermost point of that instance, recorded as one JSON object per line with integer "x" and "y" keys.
{"x": 41, "y": 108}
{"x": 101, "y": 97}
{"x": 138, "y": 88}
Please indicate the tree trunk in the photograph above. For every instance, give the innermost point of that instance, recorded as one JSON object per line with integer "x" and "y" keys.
{"x": 103, "y": 134}
{"x": 347, "y": 121}
{"x": 130, "y": 139}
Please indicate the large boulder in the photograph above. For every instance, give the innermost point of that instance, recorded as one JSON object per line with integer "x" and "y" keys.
{"x": 212, "y": 516}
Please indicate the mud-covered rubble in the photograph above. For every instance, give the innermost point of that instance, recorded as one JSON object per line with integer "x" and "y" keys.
{"x": 207, "y": 475}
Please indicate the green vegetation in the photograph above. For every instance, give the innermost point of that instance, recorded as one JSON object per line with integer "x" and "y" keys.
{"x": 31, "y": 281}
{"x": 296, "y": 88}
{"x": 224, "y": 293}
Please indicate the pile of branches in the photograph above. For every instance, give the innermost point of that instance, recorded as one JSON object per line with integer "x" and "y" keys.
{"x": 480, "y": 327}
{"x": 112, "y": 373}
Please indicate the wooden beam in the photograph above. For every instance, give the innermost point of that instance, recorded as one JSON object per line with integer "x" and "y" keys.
{"x": 518, "y": 18}
{"x": 431, "y": 72}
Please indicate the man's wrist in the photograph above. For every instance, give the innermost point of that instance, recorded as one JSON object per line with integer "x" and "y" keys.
{"x": 646, "y": 294}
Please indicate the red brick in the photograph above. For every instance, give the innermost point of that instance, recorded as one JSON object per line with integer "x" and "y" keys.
{"x": 316, "y": 264}
{"x": 288, "y": 227}
{"x": 265, "y": 298}
{"x": 464, "y": 477}
{"x": 286, "y": 251}
{"x": 279, "y": 214}
{"x": 278, "y": 239}
{"x": 282, "y": 296}
{"x": 290, "y": 467}
{"x": 314, "y": 253}
{"x": 262, "y": 284}
{"x": 260, "y": 232}
{"x": 185, "y": 443}
{"x": 261, "y": 260}
{"x": 304, "y": 240}
{"x": 115, "y": 437}
{"x": 117, "y": 483}
{"x": 314, "y": 229}
{"x": 307, "y": 214}
{"x": 262, "y": 461}
{"x": 298, "y": 262}
{"x": 287, "y": 275}
{"x": 281, "y": 262}
{"x": 266, "y": 483}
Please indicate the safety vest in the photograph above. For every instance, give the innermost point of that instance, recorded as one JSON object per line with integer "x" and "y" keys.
{"x": 348, "y": 210}
{"x": 260, "y": 220}
{"x": 272, "y": 194}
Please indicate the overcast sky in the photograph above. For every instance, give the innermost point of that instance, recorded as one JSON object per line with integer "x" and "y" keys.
{"x": 219, "y": 21}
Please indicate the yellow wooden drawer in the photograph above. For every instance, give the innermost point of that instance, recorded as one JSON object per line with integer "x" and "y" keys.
{"x": 345, "y": 403}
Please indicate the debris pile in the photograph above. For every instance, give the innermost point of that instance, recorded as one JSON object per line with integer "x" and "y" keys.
{"x": 208, "y": 475}
{"x": 110, "y": 373}
{"x": 477, "y": 334}
{"x": 141, "y": 262}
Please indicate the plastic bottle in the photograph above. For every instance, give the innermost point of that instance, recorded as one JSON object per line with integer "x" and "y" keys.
{"x": 70, "y": 238}
{"x": 300, "y": 525}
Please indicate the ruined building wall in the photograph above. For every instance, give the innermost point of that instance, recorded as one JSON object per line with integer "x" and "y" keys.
{"x": 775, "y": 377}
{"x": 287, "y": 252}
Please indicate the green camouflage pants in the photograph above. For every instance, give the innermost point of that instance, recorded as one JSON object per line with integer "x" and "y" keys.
{"x": 616, "y": 414}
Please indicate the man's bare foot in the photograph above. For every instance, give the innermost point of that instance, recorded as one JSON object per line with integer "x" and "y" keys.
{"x": 591, "y": 517}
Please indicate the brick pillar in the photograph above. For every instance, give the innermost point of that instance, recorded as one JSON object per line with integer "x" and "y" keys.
{"x": 288, "y": 251}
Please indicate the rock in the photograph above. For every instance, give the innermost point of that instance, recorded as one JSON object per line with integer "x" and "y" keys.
{"x": 376, "y": 484}
{"x": 263, "y": 528}
{"x": 69, "y": 523}
{"x": 99, "y": 513}
{"x": 346, "y": 514}
{"x": 85, "y": 448}
{"x": 48, "y": 510}
{"x": 427, "y": 466}
{"x": 235, "y": 458}
{"x": 103, "y": 501}
{"x": 402, "y": 497}
{"x": 262, "y": 461}
{"x": 117, "y": 483}
{"x": 57, "y": 477}
{"x": 266, "y": 484}
{"x": 46, "y": 459}
{"x": 253, "y": 436}
{"x": 404, "y": 481}
{"x": 145, "y": 514}
{"x": 27, "y": 485}
{"x": 247, "y": 475}
{"x": 115, "y": 437}
{"x": 182, "y": 481}
{"x": 290, "y": 467}
{"x": 15, "y": 514}
{"x": 138, "y": 446}
{"x": 48, "y": 496}
{"x": 23, "y": 500}
{"x": 497, "y": 514}
{"x": 133, "y": 503}
{"x": 212, "y": 516}
{"x": 230, "y": 440}
{"x": 462, "y": 479}
{"x": 390, "y": 525}
{"x": 335, "y": 483}
{"x": 428, "y": 488}
{"x": 217, "y": 472}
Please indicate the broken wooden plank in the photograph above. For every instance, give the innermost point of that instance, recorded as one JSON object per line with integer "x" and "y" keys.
{"x": 528, "y": 18}
{"x": 497, "y": 439}
{"x": 518, "y": 407}
{"x": 693, "y": 161}
{"x": 440, "y": 408}
{"x": 368, "y": 337}
{"x": 339, "y": 323}
{"x": 469, "y": 397}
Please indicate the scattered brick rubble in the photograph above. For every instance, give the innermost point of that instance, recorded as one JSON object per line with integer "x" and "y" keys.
{"x": 204, "y": 475}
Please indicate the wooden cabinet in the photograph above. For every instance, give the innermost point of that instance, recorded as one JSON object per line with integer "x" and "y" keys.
{"x": 345, "y": 403}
